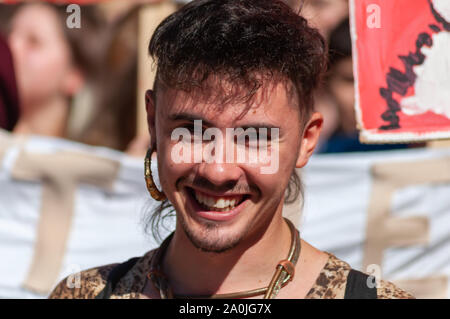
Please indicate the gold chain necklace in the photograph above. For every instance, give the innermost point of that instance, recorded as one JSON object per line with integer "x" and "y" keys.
{"x": 284, "y": 273}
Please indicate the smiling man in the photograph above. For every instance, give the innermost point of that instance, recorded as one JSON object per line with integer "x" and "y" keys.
{"x": 249, "y": 69}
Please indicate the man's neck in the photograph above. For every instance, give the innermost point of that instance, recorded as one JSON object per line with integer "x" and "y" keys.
{"x": 48, "y": 118}
{"x": 193, "y": 272}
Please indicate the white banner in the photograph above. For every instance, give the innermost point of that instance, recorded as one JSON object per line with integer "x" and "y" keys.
{"x": 65, "y": 207}
{"x": 386, "y": 213}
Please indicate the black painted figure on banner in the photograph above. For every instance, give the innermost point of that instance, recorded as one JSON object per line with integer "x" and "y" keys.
{"x": 427, "y": 69}
{"x": 233, "y": 65}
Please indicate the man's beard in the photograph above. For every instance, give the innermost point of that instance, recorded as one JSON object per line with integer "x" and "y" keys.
{"x": 209, "y": 239}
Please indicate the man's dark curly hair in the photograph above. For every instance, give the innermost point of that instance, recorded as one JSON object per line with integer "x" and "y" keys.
{"x": 242, "y": 43}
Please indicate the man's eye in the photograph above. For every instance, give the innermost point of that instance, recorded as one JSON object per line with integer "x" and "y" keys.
{"x": 190, "y": 127}
{"x": 263, "y": 137}
{"x": 253, "y": 140}
{"x": 194, "y": 131}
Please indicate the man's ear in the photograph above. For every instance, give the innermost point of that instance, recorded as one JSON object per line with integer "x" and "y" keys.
{"x": 150, "y": 105}
{"x": 310, "y": 138}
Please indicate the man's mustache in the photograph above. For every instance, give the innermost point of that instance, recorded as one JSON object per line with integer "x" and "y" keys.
{"x": 226, "y": 187}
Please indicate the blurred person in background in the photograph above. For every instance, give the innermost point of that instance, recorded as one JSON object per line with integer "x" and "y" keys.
{"x": 52, "y": 64}
{"x": 115, "y": 10}
{"x": 341, "y": 89}
{"x": 113, "y": 121}
{"x": 78, "y": 84}
{"x": 9, "y": 99}
{"x": 324, "y": 15}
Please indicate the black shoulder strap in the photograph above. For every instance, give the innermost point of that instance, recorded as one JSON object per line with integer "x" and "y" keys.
{"x": 114, "y": 276}
{"x": 357, "y": 287}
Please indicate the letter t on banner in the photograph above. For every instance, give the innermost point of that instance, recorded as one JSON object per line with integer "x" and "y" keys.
{"x": 60, "y": 174}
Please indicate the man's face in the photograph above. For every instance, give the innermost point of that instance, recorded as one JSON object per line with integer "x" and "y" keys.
{"x": 219, "y": 203}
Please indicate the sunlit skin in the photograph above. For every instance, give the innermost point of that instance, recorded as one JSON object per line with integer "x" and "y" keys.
{"x": 257, "y": 235}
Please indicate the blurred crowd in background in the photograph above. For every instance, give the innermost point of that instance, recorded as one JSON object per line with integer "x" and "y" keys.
{"x": 81, "y": 84}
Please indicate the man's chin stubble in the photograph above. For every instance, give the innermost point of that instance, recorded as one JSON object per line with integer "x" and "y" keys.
{"x": 204, "y": 240}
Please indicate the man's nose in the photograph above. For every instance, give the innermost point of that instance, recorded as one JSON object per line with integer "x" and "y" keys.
{"x": 220, "y": 174}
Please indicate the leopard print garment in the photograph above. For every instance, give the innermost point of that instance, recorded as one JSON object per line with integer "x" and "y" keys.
{"x": 330, "y": 283}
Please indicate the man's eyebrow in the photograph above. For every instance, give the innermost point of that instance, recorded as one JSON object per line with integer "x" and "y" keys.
{"x": 192, "y": 117}
{"x": 258, "y": 126}
{"x": 188, "y": 117}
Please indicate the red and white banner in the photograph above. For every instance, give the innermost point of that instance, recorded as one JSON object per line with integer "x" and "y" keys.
{"x": 401, "y": 55}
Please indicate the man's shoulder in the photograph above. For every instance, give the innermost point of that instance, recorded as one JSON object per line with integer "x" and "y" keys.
{"x": 89, "y": 283}
{"x": 332, "y": 283}
{"x": 387, "y": 290}
{"x": 84, "y": 285}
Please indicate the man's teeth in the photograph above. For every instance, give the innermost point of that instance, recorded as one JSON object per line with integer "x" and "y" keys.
{"x": 218, "y": 203}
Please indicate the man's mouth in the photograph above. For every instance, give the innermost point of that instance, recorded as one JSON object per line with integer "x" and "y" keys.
{"x": 217, "y": 203}
{"x": 223, "y": 204}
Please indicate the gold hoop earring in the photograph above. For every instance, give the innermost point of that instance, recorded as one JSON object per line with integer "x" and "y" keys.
{"x": 152, "y": 189}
